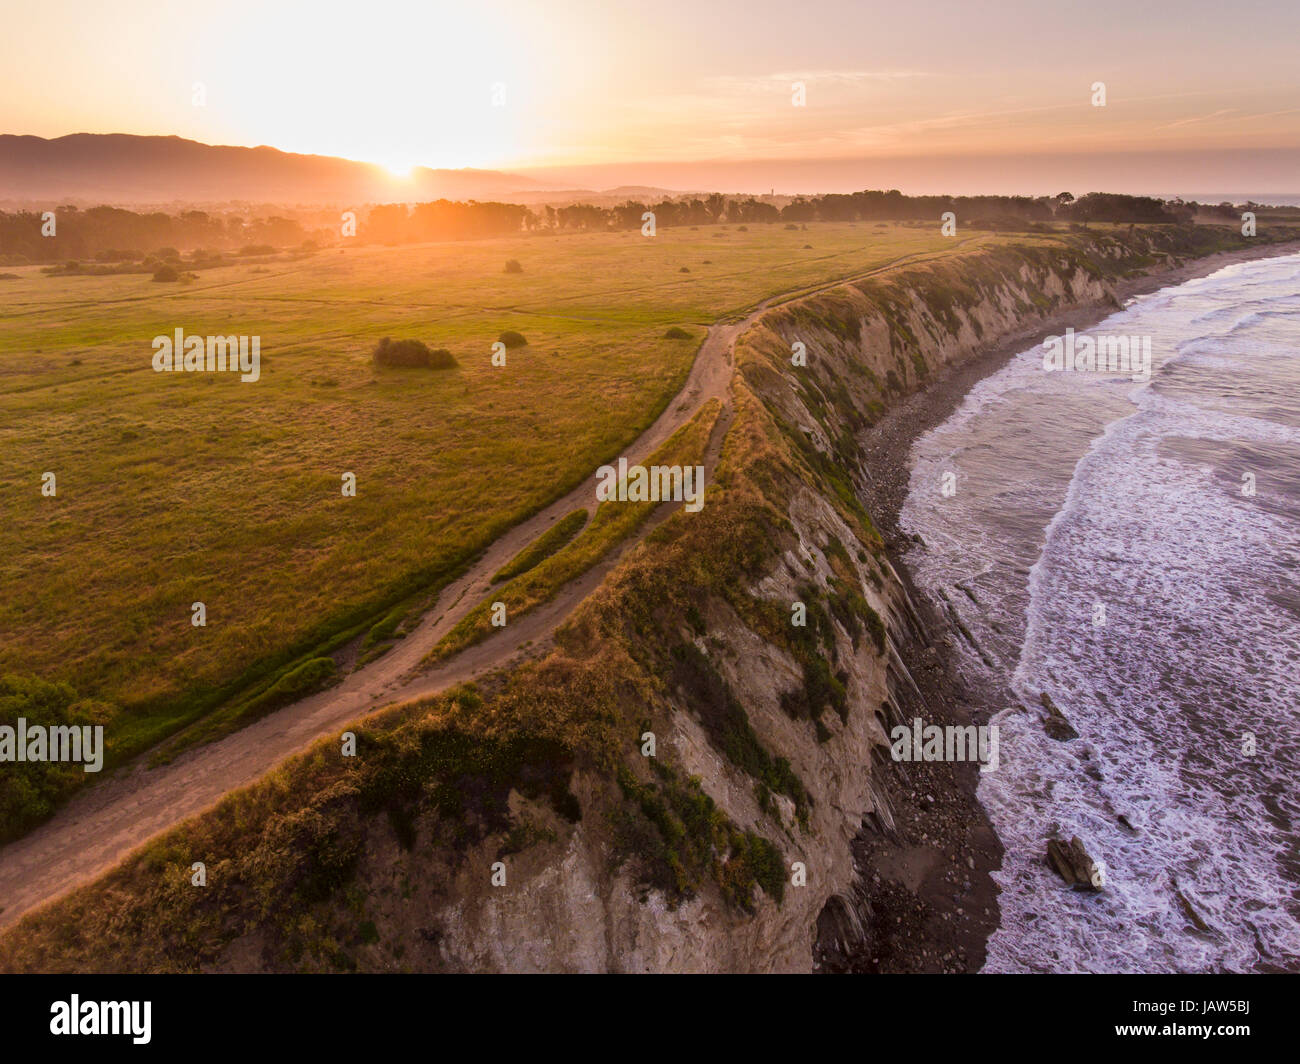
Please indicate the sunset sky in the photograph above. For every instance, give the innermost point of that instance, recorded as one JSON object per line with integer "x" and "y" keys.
{"x": 626, "y": 91}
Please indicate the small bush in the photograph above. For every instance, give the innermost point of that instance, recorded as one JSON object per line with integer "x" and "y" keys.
{"x": 412, "y": 354}
{"x": 513, "y": 339}
{"x": 308, "y": 678}
{"x": 31, "y": 790}
{"x": 752, "y": 861}
{"x": 166, "y": 273}
{"x": 512, "y": 266}
{"x": 385, "y": 629}
{"x": 677, "y": 334}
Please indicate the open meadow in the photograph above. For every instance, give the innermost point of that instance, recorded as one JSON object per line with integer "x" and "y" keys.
{"x": 177, "y": 488}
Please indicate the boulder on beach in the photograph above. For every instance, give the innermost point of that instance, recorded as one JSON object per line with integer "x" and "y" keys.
{"x": 1056, "y": 725}
{"x": 1192, "y": 915}
{"x": 1074, "y": 864}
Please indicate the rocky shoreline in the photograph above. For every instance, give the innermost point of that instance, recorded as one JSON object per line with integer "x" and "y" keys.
{"x": 926, "y": 900}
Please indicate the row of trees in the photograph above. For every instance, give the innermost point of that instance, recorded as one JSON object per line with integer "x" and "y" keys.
{"x": 452, "y": 221}
{"x": 444, "y": 220}
{"x": 1111, "y": 207}
{"x": 109, "y": 234}
{"x": 873, "y": 206}
{"x": 892, "y": 206}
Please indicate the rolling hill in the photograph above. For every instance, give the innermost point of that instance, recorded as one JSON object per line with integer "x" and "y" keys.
{"x": 124, "y": 169}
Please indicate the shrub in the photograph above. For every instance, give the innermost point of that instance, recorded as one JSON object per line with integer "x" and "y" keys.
{"x": 166, "y": 273}
{"x": 384, "y": 629}
{"x": 684, "y": 269}
{"x": 30, "y": 790}
{"x": 414, "y": 354}
{"x": 512, "y": 266}
{"x": 677, "y": 334}
{"x": 513, "y": 339}
{"x": 307, "y": 678}
{"x": 752, "y": 861}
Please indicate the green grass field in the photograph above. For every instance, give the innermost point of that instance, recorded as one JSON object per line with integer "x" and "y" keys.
{"x": 177, "y": 488}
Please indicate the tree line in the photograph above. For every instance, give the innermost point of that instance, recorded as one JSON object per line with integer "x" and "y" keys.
{"x": 111, "y": 234}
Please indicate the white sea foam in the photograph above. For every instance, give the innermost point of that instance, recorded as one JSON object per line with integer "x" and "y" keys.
{"x": 1074, "y": 492}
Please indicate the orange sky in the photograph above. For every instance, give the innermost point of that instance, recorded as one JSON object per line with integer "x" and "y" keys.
{"x": 614, "y": 85}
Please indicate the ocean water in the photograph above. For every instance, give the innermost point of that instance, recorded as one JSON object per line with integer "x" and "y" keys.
{"x": 1131, "y": 548}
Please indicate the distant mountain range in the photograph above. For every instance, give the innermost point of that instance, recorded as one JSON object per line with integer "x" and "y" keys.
{"x": 119, "y": 168}
{"x": 126, "y": 170}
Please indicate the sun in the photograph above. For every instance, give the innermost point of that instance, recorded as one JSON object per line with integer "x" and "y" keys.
{"x": 399, "y": 169}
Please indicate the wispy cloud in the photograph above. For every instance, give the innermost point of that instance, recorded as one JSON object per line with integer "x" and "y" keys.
{"x": 1196, "y": 119}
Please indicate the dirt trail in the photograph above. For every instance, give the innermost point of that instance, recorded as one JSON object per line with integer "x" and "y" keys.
{"x": 104, "y": 823}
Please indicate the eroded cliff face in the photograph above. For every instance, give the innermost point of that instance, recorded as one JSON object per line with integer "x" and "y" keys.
{"x": 571, "y": 905}
{"x": 566, "y": 906}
